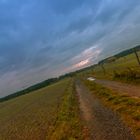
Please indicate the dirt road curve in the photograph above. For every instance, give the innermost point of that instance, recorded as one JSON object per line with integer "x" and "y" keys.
{"x": 101, "y": 122}
{"x": 121, "y": 87}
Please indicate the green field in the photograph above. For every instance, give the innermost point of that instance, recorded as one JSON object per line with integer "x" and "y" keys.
{"x": 48, "y": 113}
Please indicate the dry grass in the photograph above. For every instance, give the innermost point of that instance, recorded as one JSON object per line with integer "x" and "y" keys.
{"x": 68, "y": 125}
{"x": 32, "y": 116}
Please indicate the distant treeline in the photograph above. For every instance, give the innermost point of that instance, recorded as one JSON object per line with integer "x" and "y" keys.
{"x": 121, "y": 54}
{"x": 36, "y": 87}
{"x": 30, "y": 89}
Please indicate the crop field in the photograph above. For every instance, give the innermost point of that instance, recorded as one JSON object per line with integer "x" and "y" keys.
{"x": 41, "y": 115}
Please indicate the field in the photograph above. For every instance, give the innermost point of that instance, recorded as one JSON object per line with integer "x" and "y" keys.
{"x": 124, "y": 68}
{"x": 48, "y": 113}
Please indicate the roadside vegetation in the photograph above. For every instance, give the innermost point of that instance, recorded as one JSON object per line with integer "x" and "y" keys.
{"x": 127, "y": 107}
{"x": 68, "y": 125}
{"x": 50, "y": 113}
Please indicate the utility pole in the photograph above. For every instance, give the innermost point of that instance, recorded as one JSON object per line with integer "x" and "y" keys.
{"x": 137, "y": 56}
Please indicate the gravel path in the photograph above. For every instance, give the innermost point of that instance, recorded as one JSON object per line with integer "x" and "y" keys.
{"x": 121, "y": 87}
{"x": 100, "y": 122}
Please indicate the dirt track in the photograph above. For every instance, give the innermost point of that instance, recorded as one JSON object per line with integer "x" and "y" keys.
{"x": 101, "y": 122}
{"x": 121, "y": 87}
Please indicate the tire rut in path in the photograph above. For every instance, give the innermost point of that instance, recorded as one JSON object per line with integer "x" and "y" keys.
{"x": 101, "y": 122}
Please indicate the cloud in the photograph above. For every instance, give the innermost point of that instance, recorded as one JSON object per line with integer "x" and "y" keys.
{"x": 87, "y": 57}
{"x": 123, "y": 36}
{"x": 82, "y": 64}
{"x": 64, "y": 7}
{"x": 80, "y": 24}
{"x": 89, "y": 53}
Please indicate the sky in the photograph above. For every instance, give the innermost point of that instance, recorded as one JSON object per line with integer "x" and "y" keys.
{"x": 40, "y": 39}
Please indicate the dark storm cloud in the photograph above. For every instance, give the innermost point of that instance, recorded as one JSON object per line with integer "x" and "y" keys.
{"x": 80, "y": 25}
{"x": 40, "y": 39}
{"x": 65, "y": 7}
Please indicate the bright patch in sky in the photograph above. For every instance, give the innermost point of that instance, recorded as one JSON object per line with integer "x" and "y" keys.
{"x": 82, "y": 63}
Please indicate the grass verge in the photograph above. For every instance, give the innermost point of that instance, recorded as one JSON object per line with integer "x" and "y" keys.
{"x": 67, "y": 125}
{"x": 127, "y": 107}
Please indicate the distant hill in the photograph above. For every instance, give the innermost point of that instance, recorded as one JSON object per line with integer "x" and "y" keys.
{"x": 121, "y": 54}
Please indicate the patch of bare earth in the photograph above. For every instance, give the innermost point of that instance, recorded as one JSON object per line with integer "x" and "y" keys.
{"x": 131, "y": 90}
{"x": 100, "y": 123}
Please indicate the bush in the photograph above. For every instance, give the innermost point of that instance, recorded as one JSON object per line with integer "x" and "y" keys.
{"x": 129, "y": 74}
